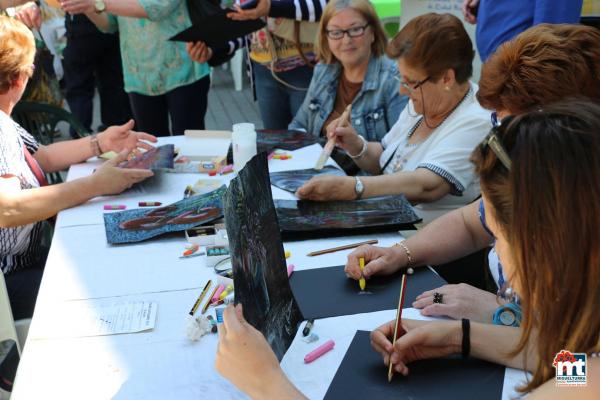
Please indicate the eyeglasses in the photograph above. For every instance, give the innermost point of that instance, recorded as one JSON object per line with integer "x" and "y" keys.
{"x": 493, "y": 142}
{"x": 353, "y": 32}
{"x": 411, "y": 86}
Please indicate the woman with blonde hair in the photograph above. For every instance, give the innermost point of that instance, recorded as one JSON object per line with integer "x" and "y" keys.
{"x": 352, "y": 70}
{"x": 425, "y": 153}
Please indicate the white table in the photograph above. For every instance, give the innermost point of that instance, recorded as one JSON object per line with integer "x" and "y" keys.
{"x": 162, "y": 363}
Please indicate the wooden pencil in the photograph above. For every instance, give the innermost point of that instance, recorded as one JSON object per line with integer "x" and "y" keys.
{"x": 339, "y": 248}
{"x": 398, "y": 327}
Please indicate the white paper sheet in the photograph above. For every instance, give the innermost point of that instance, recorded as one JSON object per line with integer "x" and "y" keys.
{"x": 101, "y": 317}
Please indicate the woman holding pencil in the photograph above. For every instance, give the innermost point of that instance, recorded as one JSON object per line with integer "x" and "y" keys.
{"x": 536, "y": 187}
{"x": 425, "y": 153}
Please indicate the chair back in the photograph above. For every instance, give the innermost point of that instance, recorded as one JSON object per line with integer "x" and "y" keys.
{"x": 41, "y": 120}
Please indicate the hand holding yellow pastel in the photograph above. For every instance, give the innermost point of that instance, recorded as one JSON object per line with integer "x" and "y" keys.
{"x": 361, "y": 282}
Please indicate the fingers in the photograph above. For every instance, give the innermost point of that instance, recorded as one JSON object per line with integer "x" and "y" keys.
{"x": 121, "y": 156}
{"x": 145, "y": 146}
{"x": 438, "y": 310}
{"x": 380, "y": 338}
{"x": 305, "y": 190}
{"x": 231, "y": 321}
{"x": 127, "y": 126}
{"x": 352, "y": 268}
{"x": 146, "y": 136}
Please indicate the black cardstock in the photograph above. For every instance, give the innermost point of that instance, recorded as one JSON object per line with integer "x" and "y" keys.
{"x": 327, "y": 292}
{"x": 362, "y": 375}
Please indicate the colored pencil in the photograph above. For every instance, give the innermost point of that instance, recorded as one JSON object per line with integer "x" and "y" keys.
{"x": 398, "y": 327}
{"x": 344, "y": 247}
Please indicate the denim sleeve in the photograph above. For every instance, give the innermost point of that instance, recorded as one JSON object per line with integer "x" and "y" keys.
{"x": 557, "y": 11}
{"x": 300, "y": 121}
{"x": 300, "y": 10}
{"x": 159, "y": 9}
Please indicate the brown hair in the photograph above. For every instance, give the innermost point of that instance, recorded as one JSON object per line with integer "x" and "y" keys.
{"x": 365, "y": 8}
{"x": 435, "y": 43}
{"x": 17, "y": 48}
{"x": 540, "y": 66}
{"x": 547, "y": 208}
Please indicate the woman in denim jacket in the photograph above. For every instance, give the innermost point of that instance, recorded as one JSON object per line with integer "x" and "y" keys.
{"x": 352, "y": 70}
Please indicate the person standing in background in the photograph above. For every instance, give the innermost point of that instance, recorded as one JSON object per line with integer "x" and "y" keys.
{"x": 499, "y": 21}
{"x": 160, "y": 77}
{"x": 91, "y": 60}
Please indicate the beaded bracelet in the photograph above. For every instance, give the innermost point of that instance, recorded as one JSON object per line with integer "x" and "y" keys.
{"x": 409, "y": 258}
{"x": 96, "y": 149}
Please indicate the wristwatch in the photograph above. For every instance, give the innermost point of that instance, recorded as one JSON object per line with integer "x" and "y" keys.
{"x": 99, "y": 6}
{"x": 359, "y": 188}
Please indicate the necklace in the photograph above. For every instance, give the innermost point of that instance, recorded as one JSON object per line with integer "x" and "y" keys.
{"x": 408, "y": 149}
{"x": 447, "y": 115}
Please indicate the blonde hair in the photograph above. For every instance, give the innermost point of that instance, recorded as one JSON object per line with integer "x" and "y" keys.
{"x": 365, "y": 8}
{"x": 17, "y": 49}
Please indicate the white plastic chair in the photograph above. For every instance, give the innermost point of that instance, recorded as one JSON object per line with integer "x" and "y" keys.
{"x": 237, "y": 69}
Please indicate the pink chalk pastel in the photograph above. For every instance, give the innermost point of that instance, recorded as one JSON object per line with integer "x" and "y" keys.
{"x": 290, "y": 269}
{"x": 215, "y": 297}
{"x": 319, "y": 351}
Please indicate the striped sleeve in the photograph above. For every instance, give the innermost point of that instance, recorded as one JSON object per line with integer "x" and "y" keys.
{"x": 29, "y": 141}
{"x": 300, "y": 10}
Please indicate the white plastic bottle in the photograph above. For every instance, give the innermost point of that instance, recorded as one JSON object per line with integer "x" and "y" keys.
{"x": 243, "y": 139}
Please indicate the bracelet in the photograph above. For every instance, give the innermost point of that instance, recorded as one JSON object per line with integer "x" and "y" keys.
{"x": 96, "y": 149}
{"x": 466, "y": 338}
{"x": 409, "y": 258}
{"x": 363, "y": 151}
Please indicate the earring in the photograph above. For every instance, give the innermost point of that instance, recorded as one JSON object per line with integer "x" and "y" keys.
{"x": 447, "y": 88}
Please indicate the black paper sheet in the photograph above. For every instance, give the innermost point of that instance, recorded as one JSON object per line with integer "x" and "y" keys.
{"x": 316, "y": 219}
{"x": 257, "y": 256}
{"x": 292, "y": 180}
{"x": 362, "y": 375}
{"x": 268, "y": 140}
{"x": 327, "y": 292}
{"x": 217, "y": 30}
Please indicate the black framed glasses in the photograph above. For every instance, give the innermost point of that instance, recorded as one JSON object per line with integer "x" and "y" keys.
{"x": 411, "y": 86}
{"x": 355, "y": 31}
{"x": 493, "y": 142}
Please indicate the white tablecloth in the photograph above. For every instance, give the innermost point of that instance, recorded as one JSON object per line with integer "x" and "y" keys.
{"x": 162, "y": 363}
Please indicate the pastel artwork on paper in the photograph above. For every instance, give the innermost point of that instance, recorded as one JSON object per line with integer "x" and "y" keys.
{"x": 140, "y": 224}
{"x": 292, "y": 180}
{"x": 257, "y": 256}
{"x": 269, "y": 140}
{"x": 160, "y": 157}
{"x": 311, "y": 219}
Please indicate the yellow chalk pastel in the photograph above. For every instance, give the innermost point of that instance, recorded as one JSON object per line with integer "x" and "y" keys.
{"x": 362, "y": 282}
{"x": 288, "y": 254}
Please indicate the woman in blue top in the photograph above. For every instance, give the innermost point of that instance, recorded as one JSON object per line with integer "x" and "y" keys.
{"x": 353, "y": 69}
{"x": 160, "y": 77}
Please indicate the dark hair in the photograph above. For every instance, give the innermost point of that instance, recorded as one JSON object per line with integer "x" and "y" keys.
{"x": 435, "y": 43}
{"x": 546, "y": 206}
{"x": 540, "y": 66}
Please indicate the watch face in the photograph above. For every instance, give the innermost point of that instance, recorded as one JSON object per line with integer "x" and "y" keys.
{"x": 507, "y": 317}
{"x": 100, "y": 6}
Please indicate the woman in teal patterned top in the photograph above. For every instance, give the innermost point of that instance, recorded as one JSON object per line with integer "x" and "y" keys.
{"x": 160, "y": 77}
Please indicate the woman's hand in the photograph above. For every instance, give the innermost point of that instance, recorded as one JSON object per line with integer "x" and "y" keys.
{"x": 110, "y": 179}
{"x": 199, "y": 51}
{"x": 246, "y": 360}
{"x": 345, "y": 136}
{"x": 261, "y": 10}
{"x": 328, "y": 187}
{"x": 378, "y": 261}
{"x": 30, "y": 15}
{"x": 420, "y": 340}
{"x": 459, "y": 301}
{"x": 468, "y": 10}
{"x": 120, "y": 137}
{"x": 77, "y": 6}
